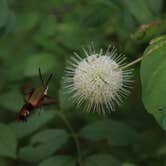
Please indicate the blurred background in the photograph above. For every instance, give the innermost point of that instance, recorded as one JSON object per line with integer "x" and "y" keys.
{"x": 45, "y": 34}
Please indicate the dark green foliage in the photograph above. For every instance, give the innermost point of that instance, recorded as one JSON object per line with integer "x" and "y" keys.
{"x": 35, "y": 123}
{"x": 101, "y": 159}
{"x": 35, "y": 33}
{"x": 43, "y": 144}
{"x": 58, "y": 161}
{"x": 111, "y": 131}
{"x": 8, "y": 142}
{"x": 153, "y": 76}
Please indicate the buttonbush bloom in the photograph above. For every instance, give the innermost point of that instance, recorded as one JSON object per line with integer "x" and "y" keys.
{"x": 97, "y": 81}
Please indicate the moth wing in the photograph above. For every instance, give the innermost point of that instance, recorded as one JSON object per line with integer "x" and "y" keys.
{"x": 48, "y": 100}
{"x": 27, "y": 91}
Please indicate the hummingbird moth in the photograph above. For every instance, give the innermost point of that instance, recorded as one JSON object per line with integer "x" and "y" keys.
{"x": 35, "y": 99}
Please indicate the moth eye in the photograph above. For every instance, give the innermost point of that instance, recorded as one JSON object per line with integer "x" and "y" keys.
{"x": 27, "y": 112}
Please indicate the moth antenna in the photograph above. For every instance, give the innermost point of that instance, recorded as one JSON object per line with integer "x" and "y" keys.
{"x": 41, "y": 78}
{"x": 49, "y": 78}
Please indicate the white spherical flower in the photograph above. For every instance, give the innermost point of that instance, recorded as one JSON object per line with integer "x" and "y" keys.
{"x": 98, "y": 80}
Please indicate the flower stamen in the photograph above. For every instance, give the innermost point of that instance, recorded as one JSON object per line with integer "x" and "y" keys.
{"x": 99, "y": 80}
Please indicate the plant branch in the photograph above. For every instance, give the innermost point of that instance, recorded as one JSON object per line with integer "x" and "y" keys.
{"x": 132, "y": 63}
{"x": 73, "y": 134}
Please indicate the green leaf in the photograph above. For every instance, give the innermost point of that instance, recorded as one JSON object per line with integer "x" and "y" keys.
{"x": 136, "y": 6}
{"x": 128, "y": 164}
{"x": 43, "y": 60}
{"x": 10, "y": 24}
{"x": 45, "y": 37}
{"x": 50, "y": 136}
{"x": 149, "y": 31}
{"x": 8, "y": 142}
{"x": 48, "y": 27}
{"x": 34, "y": 122}
{"x": 5, "y": 161}
{"x": 3, "y": 12}
{"x": 101, "y": 160}
{"x": 16, "y": 64}
{"x": 156, "y": 6}
{"x": 26, "y": 22}
{"x": 64, "y": 99}
{"x": 43, "y": 144}
{"x": 153, "y": 78}
{"x": 161, "y": 151}
{"x": 115, "y": 132}
{"x": 58, "y": 161}
{"x": 11, "y": 100}
{"x": 73, "y": 36}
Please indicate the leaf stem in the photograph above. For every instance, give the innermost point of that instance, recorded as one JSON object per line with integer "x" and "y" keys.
{"x": 73, "y": 134}
{"x": 132, "y": 63}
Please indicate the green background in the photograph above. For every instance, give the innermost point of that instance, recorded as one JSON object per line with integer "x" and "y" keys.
{"x": 38, "y": 33}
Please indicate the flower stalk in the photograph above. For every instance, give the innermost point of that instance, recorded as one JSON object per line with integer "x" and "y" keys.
{"x": 73, "y": 134}
{"x": 132, "y": 63}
